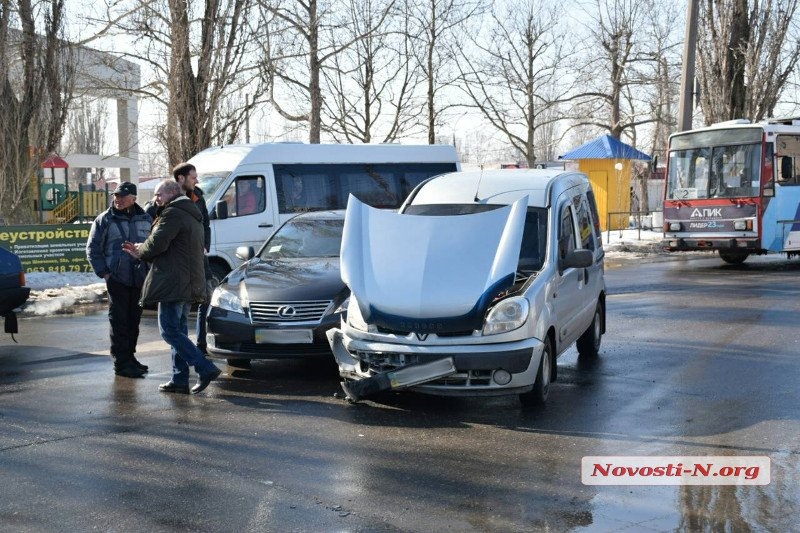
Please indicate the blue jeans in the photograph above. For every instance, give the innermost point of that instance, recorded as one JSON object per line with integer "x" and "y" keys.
{"x": 173, "y": 326}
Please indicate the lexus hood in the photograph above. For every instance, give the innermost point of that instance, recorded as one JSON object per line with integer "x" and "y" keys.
{"x": 429, "y": 273}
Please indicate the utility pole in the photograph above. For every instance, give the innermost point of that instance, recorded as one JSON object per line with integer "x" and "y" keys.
{"x": 686, "y": 105}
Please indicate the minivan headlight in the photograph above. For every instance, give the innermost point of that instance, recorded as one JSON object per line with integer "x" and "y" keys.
{"x": 507, "y": 315}
{"x": 229, "y": 300}
{"x": 354, "y": 318}
{"x": 342, "y": 306}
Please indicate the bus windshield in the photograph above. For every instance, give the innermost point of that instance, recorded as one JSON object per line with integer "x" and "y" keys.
{"x": 732, "y": 171}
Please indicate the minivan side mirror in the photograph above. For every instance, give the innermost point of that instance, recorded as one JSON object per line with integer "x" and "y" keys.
{"x": 577, "y": 259}
{"x": 221, "y": 210}
{"x": 245, "y": 253}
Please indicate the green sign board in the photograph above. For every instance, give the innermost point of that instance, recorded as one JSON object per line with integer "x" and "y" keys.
{"x": 48, "y": 248}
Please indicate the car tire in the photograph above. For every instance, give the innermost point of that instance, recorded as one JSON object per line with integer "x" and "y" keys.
{"x": 589, "y": 342}
{"x": 239, "y": 363}
{"x": 541, "y": 388}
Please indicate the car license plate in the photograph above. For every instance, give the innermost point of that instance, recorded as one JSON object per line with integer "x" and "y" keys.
{"x": 284, "y": 336}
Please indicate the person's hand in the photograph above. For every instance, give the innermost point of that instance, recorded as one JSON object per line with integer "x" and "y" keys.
{"x": 131, "y": 248}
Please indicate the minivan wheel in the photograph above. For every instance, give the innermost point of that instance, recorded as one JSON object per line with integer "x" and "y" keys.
{"x": 589, "y": 342}
{"x": 238, "y": 363}
{"x": 541, "y": 389}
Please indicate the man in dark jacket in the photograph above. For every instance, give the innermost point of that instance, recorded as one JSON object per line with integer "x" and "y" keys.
{"x": 124, "y": 221}
{"x": 176, "y": 280}
{"x": 186, "y": 175}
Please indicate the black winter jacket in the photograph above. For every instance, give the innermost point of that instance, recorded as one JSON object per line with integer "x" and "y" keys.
{"x": 197, "y": 197}
{"x": 175, "y": 251}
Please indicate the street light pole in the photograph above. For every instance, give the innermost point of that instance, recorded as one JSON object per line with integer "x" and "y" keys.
{"x": 686, "y": 105}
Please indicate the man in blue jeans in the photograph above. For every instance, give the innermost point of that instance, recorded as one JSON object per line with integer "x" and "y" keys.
{"x": 176, "y": 281}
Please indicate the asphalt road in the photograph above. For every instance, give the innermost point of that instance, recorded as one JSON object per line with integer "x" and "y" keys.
{"x": 700, "y": 358}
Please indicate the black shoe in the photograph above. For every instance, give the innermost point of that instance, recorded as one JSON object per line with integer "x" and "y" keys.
{"x": 205, "y": 380}
{"x": 171, "y": 386}
{"x": 140, "y": 366}
{"x": 129, "y": 371}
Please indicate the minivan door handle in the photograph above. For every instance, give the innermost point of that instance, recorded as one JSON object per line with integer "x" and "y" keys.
{"x": 265, "y": 225}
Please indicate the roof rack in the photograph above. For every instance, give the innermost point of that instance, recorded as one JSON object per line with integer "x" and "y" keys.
{"x": 786, "y": 121}
{"x": 732, "y": 122}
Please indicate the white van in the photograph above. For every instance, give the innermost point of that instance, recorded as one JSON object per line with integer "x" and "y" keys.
{"x": 488, "y": 277}
{"x": 250, "y": 190}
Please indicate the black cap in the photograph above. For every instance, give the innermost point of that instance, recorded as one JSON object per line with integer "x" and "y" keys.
{"x": 125, "y": 188}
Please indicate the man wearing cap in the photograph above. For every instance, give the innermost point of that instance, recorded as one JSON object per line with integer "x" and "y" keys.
{"x": 176, "y": 281}
{"x": 124, "y": 221}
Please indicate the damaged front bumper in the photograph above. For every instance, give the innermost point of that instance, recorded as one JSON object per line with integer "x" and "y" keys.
{"x": 478, "y": 369}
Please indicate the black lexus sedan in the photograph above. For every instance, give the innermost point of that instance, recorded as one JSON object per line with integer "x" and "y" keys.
{"x": 282, "y": 300}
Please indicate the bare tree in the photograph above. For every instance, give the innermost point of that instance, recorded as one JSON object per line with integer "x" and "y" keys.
{"x": 440, "y": 24}
{"x": 371, "y": 85}
{"x": 85, "y": 130}
{"x": 614, "y": 48}
{"x": 36, "y": 76}
{"x": 511, "y": 79}
{"x": 301, "y": 43}
{"x": 201, "y": 59}
{"x": 747, "y": 51}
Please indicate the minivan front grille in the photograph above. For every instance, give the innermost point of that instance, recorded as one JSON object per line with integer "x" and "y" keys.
{"x": 288, "y": 312}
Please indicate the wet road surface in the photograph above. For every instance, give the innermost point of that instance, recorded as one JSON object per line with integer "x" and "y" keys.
{"x": 700, "y": 358}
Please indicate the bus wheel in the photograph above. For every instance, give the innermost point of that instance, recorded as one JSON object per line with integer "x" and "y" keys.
{"x": 733, "y": 257}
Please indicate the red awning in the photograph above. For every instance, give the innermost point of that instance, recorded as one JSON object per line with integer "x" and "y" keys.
{"x": 54, "y": 162}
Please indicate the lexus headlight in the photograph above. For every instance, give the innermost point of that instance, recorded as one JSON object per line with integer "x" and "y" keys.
{"x": 354, "y": 318}
{"x": 230, "y": 300}
{"x": 507, "y": 315}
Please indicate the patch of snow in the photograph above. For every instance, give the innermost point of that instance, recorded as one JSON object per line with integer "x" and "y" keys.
{"x": 53, "y": 293}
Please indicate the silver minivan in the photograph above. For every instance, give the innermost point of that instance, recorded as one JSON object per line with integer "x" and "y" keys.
{"x": 474, "y": 287}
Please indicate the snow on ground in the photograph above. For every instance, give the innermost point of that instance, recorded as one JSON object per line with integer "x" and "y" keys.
{"x": 53, "y": 293}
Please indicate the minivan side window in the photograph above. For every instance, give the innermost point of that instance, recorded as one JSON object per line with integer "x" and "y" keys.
{"x": 246, "y": 195}
{"x": 584, "y": 223}
{"x": 566, "y": 233}
{"x": 595, "y": 215}
{"x": 315, "y": 187}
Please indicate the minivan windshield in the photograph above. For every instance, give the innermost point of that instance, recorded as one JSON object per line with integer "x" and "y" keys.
{"x": 534, "y": 237}
{"x": 210, "y": 182}
{"x": 305, "y": 238}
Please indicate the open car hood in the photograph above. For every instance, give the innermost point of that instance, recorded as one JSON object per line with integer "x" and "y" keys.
{"x": 429, "y": 273}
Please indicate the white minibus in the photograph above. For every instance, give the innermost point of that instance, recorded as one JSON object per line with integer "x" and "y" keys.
{"x": 250, "y": 190}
